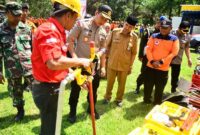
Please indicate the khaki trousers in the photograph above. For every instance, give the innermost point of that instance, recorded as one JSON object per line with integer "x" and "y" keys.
{"x": 121, "y": 78}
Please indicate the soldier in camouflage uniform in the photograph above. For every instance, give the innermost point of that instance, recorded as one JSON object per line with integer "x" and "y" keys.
{"x": 31, "y": 25}
{"x": 15, "y": 51}
{"x": 25, "y": 20}
{"x": 2, "y": 13}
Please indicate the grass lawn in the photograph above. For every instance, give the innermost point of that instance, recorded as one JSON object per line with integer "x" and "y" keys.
{"x": 113, "y": 121}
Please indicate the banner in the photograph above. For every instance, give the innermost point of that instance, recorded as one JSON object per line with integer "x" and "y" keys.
{"x": 83, "y": 8}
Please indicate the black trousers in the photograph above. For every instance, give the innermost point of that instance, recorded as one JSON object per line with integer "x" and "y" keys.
{"x": 175, "y": 72}
{"x": 155, "y": 78}
{"x": 140, "y": 79}
{"x": 46, "y": 100}
{"x": 75, "y": 91}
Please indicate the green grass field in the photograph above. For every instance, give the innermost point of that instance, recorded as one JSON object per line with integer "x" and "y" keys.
{"x": 113, "y": 121}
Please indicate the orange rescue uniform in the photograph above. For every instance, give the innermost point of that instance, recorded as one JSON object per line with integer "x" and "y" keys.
{"x": 162, "y": 49}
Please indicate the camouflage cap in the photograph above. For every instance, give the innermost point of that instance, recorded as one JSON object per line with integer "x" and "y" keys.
{"x": 2, "y": 8}
{"x": 14, "y": 7}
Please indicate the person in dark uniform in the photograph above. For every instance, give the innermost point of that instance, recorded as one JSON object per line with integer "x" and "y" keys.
{"x": 83, "y": 32}
{"x": 184, "y": 38}
{"x": 2, "y": 13}
{"x": 142, "y": 57}
{"x": 157, "y": 25}
{"x": 50, "y": 64}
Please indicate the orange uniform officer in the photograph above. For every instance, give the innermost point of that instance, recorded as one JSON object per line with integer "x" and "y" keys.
{"x": 161, "y": 49}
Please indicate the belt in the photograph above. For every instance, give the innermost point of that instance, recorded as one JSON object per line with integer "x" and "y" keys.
{"x": 45, "y": 88}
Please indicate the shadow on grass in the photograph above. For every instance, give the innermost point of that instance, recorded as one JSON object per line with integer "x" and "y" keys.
{"x": 192, "y": 51}
{"x": 101, "y": 107}
{"x": 36, "y": 130}
{"x": 9, "y": 120}
{"x": 4, "y": 94}
{"x": 79, "y": 118}
{"x": 137, "y": 110}
{"x": 132, "y": 97}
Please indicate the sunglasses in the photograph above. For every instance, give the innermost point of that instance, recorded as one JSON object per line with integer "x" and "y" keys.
{"x": 185, "y": 30}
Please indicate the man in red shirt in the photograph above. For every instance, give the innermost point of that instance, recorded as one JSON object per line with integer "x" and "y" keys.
{"x": 49, "y": 61}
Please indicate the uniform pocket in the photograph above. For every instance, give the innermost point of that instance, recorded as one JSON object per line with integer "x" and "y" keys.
{"x": 116, "y": 40}
{"x": 25, "y": 40}
{"x": 86, "y": 35}
{"x": 6, "y": 41}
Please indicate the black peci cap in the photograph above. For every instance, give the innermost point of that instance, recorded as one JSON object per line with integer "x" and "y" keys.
{"x": 14, "y": 7}
{"x": 184, "y": 25}
{"x": 131, "y": 20}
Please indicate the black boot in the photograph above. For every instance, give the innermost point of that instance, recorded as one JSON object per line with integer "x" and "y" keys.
{"x": 97, "y": 116}
{"x": 173, "y": 90}
{"x": 72, "y": 115}
{"x": 137, "y": 90}
{"x": 20, "y": 113}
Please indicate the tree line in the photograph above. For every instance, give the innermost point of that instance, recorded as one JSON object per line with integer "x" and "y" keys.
{"x": 146, "y": 10}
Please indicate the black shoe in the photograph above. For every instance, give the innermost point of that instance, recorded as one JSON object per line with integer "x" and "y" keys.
{"x": 20, "y": 114}
{"x": 137, "y": 91}
{"x": 28, "y": 88}
{"x": 147, "y": 102}
{"x": 97, "y": 116}
{"x": 72, "y": 118}
{"x": 173, "y": 90}
{"x": 72, "y": 115}
{"x": 156, "y": 103}
{"x": 118, "y": 103}
{"x": 106, "y": 101}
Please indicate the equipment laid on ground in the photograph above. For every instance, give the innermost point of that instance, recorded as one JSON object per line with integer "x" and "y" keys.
{"x": 189, "y": 92}
{"x": 170, "y": 119}
{"x": 194, "y": 99}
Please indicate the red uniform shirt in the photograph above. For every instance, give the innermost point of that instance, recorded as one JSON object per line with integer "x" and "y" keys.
{"x": 48, "y": 43}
